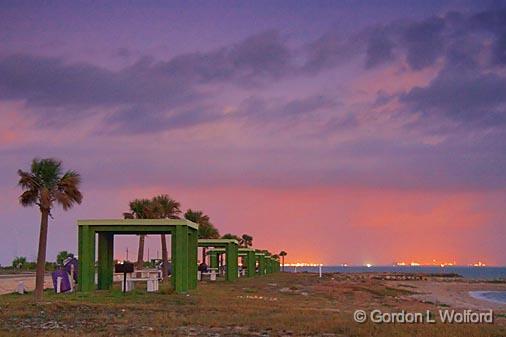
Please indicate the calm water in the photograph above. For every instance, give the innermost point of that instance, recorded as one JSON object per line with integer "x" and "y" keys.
{"x": 493, "y": 296}
{"x": 485, "y": 273}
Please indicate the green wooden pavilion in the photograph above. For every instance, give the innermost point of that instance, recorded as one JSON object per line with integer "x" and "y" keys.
{"x": 183, "y": 247}
{"x": 247, "y": 253}
{"x": 260, "y": 259}
{"x": 249, "y": 257}
{"x": 231, "y": 247}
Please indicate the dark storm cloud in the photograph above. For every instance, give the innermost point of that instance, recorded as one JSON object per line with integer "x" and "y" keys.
{"x": 420, "y": 43}
{"x": 152, "y": 95}
{"x": 262, "y": 56}
{"x": 263, "y": 111}
{"x": 465, "y": 96}
{"x": 331, "y": 50}
{"x": 469, "y": 89}
{"x": 57, "y": 92}
{"x": 424, "y": 42}
{"x": 141, "y": 119}
{"x": 379, "y": 50}
{"x": 500, "y": 49}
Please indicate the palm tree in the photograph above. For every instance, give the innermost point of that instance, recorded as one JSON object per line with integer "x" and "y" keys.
{"x": 282, "y": 254}
{"x": 164, "y": 207}
{"x": 140, "y": 209}
{"x": 44, "y": 185}
{"x": 206, "y": 228}
{"x": 231, "y": 237}
{"x": 246, "y": 240}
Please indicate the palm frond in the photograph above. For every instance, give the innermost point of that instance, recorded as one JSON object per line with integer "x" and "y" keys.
{"x": 68, "y": 185}
{"x": 141, "y": 208}
{"x": 29, "y": 198}
{"x": 27, "y": 180}
{"x": 167, "y": 207}
{"x": 63, "y": 199}
{"x": 48, "y": 171}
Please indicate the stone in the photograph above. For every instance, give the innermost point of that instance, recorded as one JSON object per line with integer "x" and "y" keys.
{"x": 21, "y": 289}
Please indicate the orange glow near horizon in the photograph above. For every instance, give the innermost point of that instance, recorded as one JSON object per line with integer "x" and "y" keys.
{"x": 331, "y": 226}
{"x": 349, "y": 225}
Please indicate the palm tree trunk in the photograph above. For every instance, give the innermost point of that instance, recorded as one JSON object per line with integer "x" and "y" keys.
{"x": 283, "y": 263}
{"x": 140, "y": 253}
{"x": 41, "y": 255}
{"x": 203, "y": 255}
{"x": 165, "y": 258}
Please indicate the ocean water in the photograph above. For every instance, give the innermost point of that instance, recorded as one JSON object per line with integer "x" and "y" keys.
{"x": 481, "y": 273}
{"x": 492, "y": 296}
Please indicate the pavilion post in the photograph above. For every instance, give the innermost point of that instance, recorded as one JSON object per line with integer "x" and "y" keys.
{"x": 192, "y": 258}
{"x": 267, "y": 263}
{"x": 180, "y": 259}
{"x": 261, "y": 264}
{"x": 213, "y": 257}
{"x": 86, "y": 251}
{"x": 251, "y": 263}
{"x": 232, "y": 264}
{"x": 105, "y": 260}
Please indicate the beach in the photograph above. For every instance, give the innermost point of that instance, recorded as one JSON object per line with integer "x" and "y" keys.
{"x": 455, "y": 294}
{"x": 282, "y": 304}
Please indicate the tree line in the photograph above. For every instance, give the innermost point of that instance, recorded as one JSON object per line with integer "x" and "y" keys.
{"x": 164, "y": 207}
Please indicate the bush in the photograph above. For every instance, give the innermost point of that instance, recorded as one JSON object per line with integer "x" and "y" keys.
{"x": 19, "y": 262}
{"x": 62, "y": 256}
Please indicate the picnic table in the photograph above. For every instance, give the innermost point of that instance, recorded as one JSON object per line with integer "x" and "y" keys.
{"x": 212, "y": 272}
{"x": 152, "y": 278}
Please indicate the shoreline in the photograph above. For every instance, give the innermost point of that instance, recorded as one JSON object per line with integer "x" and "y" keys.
{"x": 487, "y": 273}
{"x": 481, "y": 295}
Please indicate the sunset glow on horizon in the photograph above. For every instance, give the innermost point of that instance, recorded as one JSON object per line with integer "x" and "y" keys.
{"x": 366, "y": 135}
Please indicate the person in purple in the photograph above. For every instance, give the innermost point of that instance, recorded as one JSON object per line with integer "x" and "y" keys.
{"x": 64, "y": 284}
{"x": 70, "y": 266}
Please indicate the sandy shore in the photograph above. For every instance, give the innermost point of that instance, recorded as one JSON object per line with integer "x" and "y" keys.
{"x": 454, "y": 293}
{"x": 9, "y": 283}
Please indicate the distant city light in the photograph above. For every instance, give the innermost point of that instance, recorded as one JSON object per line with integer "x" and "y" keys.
{"x": 478, "y": 264}
{"x": 303, "y": 264}
{"x": 434, "y": 263}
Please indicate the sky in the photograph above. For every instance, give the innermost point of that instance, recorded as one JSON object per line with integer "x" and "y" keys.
{"x": 339, "y": 131}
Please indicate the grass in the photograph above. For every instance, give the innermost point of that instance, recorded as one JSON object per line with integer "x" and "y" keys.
{"x": 248, "y": 307}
